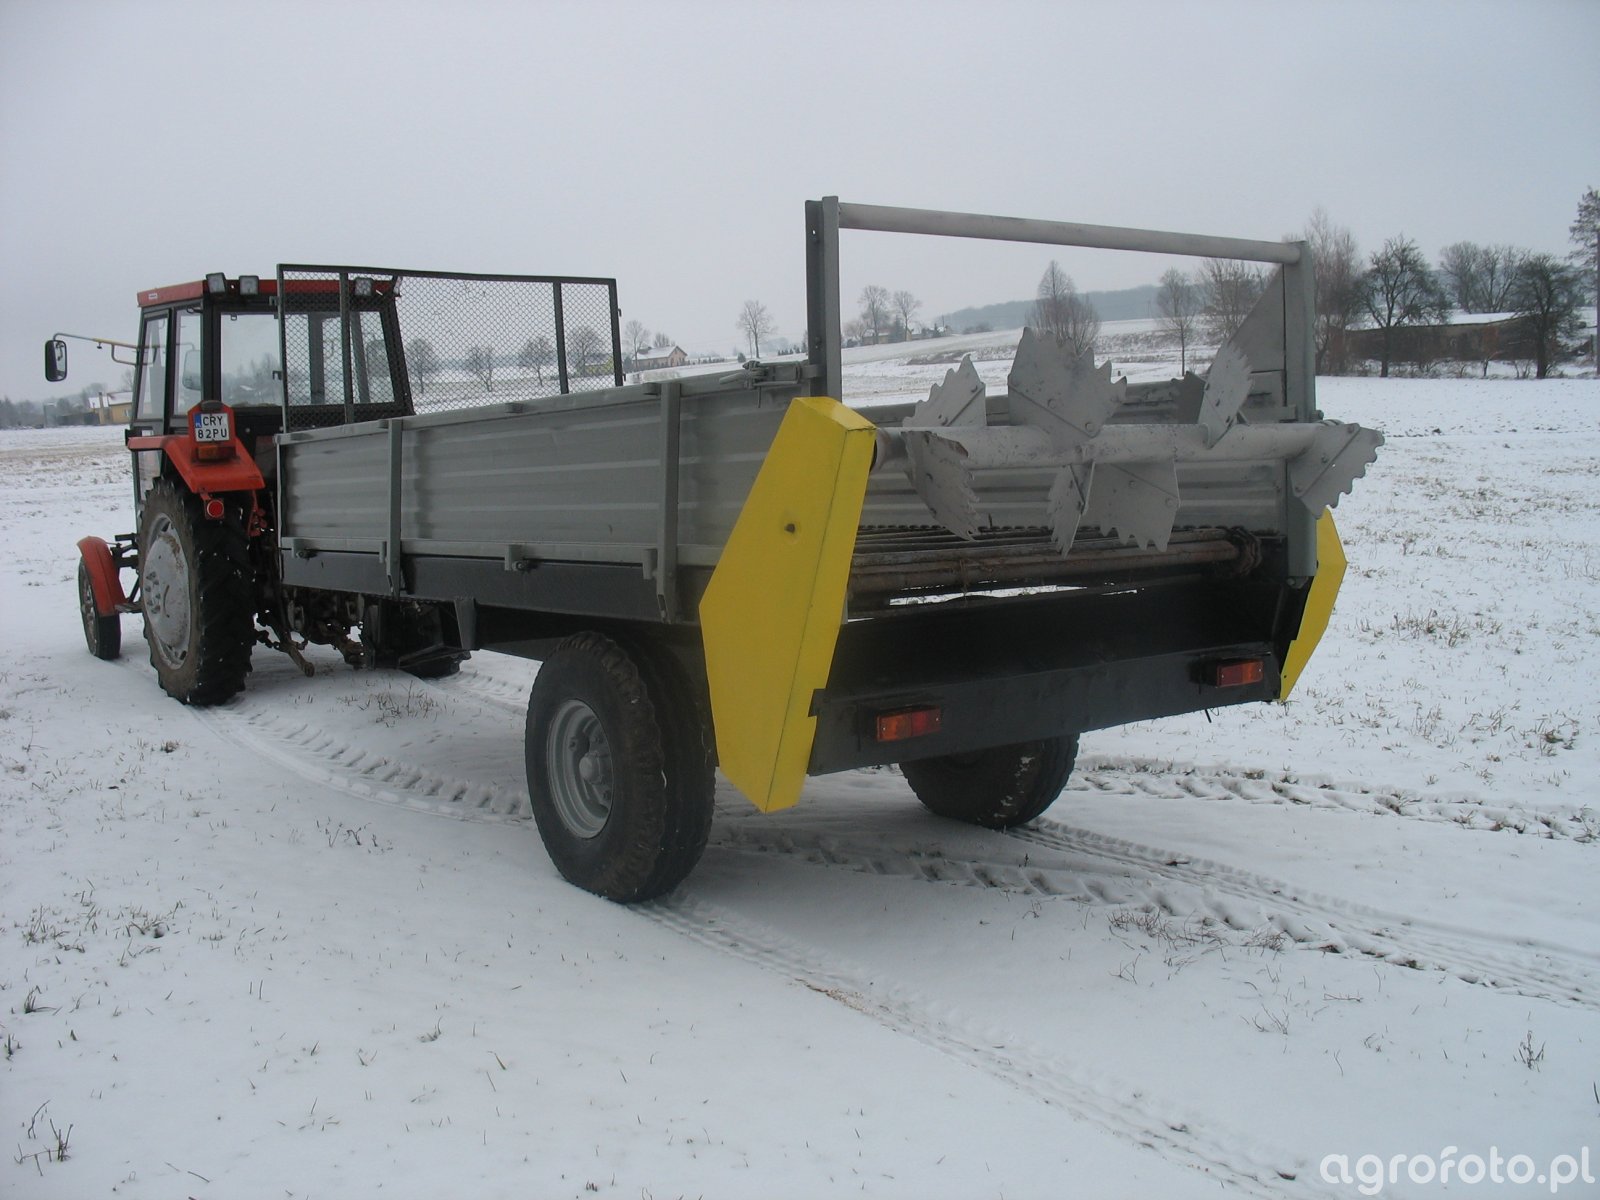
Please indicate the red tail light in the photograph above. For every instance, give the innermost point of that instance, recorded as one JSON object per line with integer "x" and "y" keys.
{"x": 1236, "y": 672}
{"x": 907, "y": 723}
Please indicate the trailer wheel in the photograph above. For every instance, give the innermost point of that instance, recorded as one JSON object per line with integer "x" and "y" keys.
{"x": 104, "y": 634}
{"x": 996, "y": 788}
{"x": 619, "y": 768}
{"x": 199, "y": 609}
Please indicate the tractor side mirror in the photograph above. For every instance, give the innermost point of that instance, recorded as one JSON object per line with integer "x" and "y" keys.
{"x": 55, "y": 360}
{"x": 191, "y": 371}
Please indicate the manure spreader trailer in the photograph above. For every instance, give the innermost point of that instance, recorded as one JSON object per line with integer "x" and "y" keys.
{"x": 734, "y": 569}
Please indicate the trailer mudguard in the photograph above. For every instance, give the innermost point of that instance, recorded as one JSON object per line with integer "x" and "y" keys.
{"x": 770, "y": 616}
{"x": 108, "y": 594}
{"x": 1319, "y": 602}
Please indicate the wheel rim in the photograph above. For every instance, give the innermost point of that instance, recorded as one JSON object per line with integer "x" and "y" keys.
{"x": 86, "y": 607}
{"x": 166, "y": 592}
{"x": 579, "y": 769}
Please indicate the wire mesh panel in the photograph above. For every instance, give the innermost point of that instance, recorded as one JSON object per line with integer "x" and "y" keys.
{"x": 361, "y": 343}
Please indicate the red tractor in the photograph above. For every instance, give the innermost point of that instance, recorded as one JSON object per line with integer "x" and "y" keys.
{"x": 208, "y": 400}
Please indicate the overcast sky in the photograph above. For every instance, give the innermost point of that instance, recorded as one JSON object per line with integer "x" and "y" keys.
{"x": 671, "y": 145}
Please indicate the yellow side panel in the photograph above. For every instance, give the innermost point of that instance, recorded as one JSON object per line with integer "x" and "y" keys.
{"x": 771, "y": 615}
{"x": 1319, "y": 604}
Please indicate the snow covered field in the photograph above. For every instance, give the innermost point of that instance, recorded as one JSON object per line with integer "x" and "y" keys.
{"x": 242, "y": 955}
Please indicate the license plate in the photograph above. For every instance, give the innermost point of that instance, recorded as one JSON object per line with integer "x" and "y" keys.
{"x": 212, "y": 427}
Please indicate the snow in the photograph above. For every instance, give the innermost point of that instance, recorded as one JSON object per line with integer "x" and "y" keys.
{"x": 307, "y": 944}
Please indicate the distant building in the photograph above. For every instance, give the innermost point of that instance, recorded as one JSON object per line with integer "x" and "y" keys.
{"x": 1466, "y": 337}
{"x": 659, "y": 357}
{"x": 112, "y": 408}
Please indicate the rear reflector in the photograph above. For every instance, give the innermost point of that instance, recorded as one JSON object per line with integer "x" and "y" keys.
{"x": 907, "y": 723}
{"x": 213, "y": 509}
{"x": 1237, "y": 672}
{"x": 213, "y": 451}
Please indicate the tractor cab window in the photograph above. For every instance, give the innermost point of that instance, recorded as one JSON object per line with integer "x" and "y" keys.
{"x": 153, "y": 367}
{"x": 191, "y": 370}
{"x": 316, "y": 374}
{"x": 251, "y": 359}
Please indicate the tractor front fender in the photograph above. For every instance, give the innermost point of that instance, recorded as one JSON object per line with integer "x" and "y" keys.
{"x": 109, "y": 597}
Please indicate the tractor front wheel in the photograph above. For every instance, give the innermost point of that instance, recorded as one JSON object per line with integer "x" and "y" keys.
{"x": 104, "y": 634}
{"x": 997, "y": 788}
{"x": 198, "y": 600}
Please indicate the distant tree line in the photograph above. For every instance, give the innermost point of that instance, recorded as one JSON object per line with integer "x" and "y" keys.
{"x": 883, "y": 316}
{"x": 1388, "y": 306}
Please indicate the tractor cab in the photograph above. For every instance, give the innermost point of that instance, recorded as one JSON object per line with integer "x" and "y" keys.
{"x": 224, "y": 340}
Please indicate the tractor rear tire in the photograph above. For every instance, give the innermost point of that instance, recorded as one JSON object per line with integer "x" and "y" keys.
{"x": 198, "y": 599}
{"x": 103, "y": 634}
{"x": 620, "y": 770}
{"x": 998, "y": 788}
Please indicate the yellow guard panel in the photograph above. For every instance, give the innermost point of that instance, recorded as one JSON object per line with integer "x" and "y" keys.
{"x": 770, "y": 617}
{"x": 1319, "y": 604}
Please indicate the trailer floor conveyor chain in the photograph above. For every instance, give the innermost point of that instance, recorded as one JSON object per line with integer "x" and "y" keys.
{"x": 734, "y": 570}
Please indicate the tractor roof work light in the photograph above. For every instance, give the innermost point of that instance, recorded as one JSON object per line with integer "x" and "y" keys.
{"x": 363, "y": 286}
{"x": 216, "y": 283}
{"x": 249, "y": 285}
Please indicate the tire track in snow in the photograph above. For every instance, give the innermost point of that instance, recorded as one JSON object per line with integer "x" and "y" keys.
{"x": 1164, "y": 780}
{"x": 320, "y": 756}
{"x": 1149, "y": 877}
{"x": 1144, "y": 876}
{"x": 1236, "y": 1161}
{"x": 488, "y": 688}
{"x": 1521, "y": 965}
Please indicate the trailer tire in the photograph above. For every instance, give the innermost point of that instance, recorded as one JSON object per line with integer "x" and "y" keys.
{"x": 620, "y": 773}
{"x": 199, "y": 606}
{"x": 997, "y": 788}
{"x": 103, "y": 634}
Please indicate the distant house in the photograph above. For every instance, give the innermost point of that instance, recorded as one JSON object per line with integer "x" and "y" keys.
{"x": 113, "y": 408}
{"x": 659, "y": 357}
{"x": 1466, "y": 337}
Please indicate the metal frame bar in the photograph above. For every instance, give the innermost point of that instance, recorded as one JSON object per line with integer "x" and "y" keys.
{"x": 616, "y": 337}
{"x": 666, "y": 567}
{"x": 344, "y": 348}
{"x": 392, "y": 547}
{"x": 561, "y": 337}
{"x": 885, "y": 219}
{"x": 826, "y": 217}
{"x": 822, "y": 296}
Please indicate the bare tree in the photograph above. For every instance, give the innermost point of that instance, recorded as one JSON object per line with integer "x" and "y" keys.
{"x": 535, "y": 354}
{"x": 1059, "y": 311}
{"x": 755, "y": 322}
{"x": 905, "y": 307}
{"x": 586, "y": 346}
{"x": 480, "y": 363}
{"x": 635, "y": 339}
{"x": 854, "y": 330}
{"x": 1337, "y": 264}
{"x": 1400, "y": 290}
{"x": 875, "y": 307}
{"x": 424, "y": 362}
{"x": 1178, "y": 302}
{"x": 1230, "y": 289}
{"x": 1585, "y": 233}
{"x": 1547, "y": 295}
{"x": 1479, "y": 279}
{"x": 662, "y": 342}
